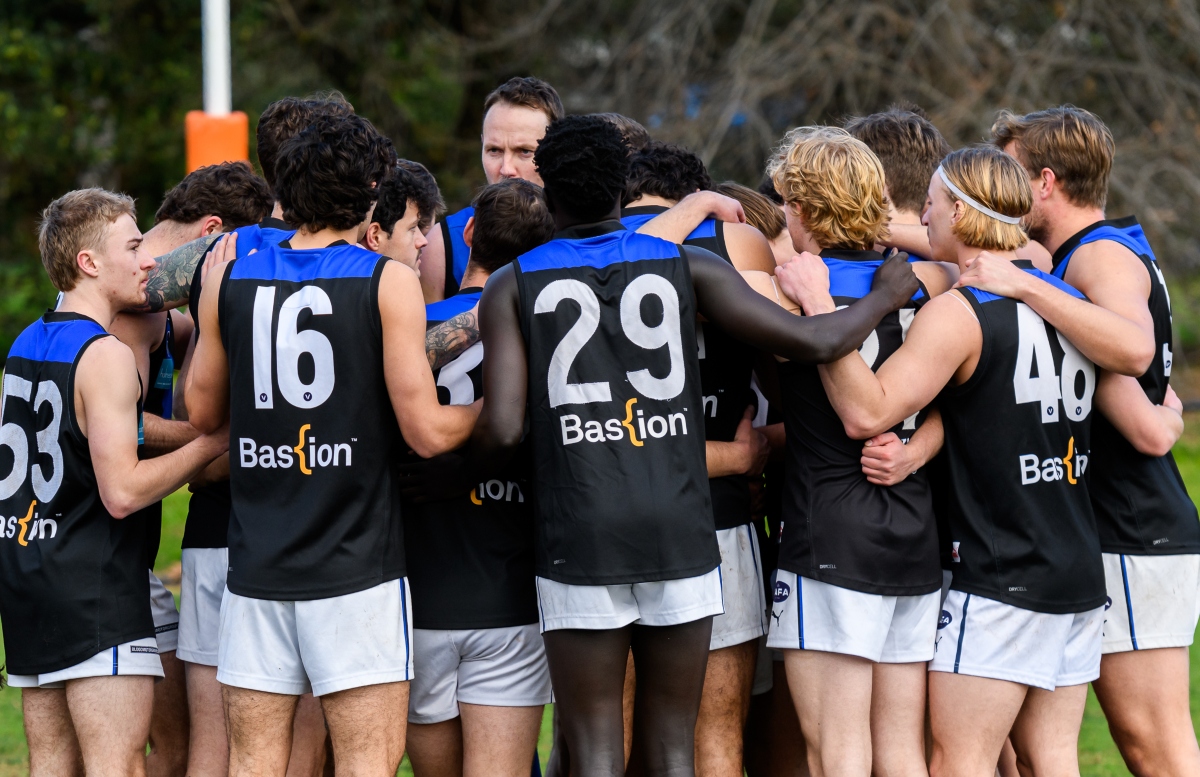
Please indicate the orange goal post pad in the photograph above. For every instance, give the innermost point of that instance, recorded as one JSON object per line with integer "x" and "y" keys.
{"x": 215, "y": 139}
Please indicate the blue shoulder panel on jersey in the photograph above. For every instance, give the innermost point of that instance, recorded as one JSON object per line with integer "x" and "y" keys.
{"x": 853, "y": 279}
{"x": 1058, "y": 283}
{"x": 256, "y": 238}
{"x": 456, "y": 223}
{"x": 599, "y": 251}
{"x": 56, "y": 341}
{"x": 707, "y": 228}
{"x": 1132, "y": 237}
{"x": 447, "y": 309}
{"x": 274, "y": 263}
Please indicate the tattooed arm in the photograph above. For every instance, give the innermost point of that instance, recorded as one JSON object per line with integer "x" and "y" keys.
{"x": 171, "y": 279}
{"x": 447, "y": 340}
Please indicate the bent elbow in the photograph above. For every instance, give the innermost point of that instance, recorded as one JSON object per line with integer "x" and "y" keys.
{"x": 119, "y": 505}
{"x": 203, "y": 420}
{"x": 1156, "y": 445}
{"x": 860, "y": 429}
{"x": 1135, "y": 361}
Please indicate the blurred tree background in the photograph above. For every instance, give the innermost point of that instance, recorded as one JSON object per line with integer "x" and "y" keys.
{"x": 94, "y": 92}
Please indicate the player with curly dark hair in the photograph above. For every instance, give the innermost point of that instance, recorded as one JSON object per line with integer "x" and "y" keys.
{"x": 395, "y": 227}
{"x": 595, "y": 332}
{"x": 666, "y": 171}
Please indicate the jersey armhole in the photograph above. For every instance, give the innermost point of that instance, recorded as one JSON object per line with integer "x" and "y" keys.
{"x": 449, "y": 283}
{"x": 985, "y": 349}
{"x": 720, "y": 235}
{"x": 221, "y": 307}
{"x": 376, "y": 315}
{"x": 73, "y": 419}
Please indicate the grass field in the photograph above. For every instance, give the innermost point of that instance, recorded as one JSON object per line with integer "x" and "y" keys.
{"x": 1097, "y": 753}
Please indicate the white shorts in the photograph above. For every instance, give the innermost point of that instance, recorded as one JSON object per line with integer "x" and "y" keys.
{"x": 139, "y": 657}
{"x": 745, "y": 616}
{"x": 322, "y": 645}
{"x": 660, "y": 603}
{"x": 202, "y": 586}
{"x": 811, "y": 615}
{"x": 1153, "y": 601}
{"x": 985, "y": 638}
{"x": 504, "y": 667}
{"x": 166, "y": 617}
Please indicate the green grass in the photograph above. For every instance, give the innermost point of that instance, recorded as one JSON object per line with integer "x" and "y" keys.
{"x": 1098, "y": 755}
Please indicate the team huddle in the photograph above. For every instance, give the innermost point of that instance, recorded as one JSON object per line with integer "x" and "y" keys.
{"x": 865, "y": 471}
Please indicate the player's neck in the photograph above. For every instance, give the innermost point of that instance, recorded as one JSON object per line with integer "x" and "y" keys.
{"x": 88, "y": 299}
{"x": 651, "y": 200}
{"x": 564, "y": 219}
{"x": 474, "y": 277}
{"x": 905, "y": 217}
{"x": 1066, "y": 220}
{"x": 967, "y": 254}
{"x": 323, "y": 238}
{"x": 277, "y": 211}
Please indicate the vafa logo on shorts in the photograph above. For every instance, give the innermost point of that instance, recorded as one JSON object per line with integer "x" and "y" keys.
{"x": 1034, "y": 469}
{"x": 31, "y": 527}
{"x": 307, "y": 456}
{"x": 574, "y": 429}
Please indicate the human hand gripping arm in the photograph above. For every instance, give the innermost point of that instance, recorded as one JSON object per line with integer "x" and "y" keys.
{"x": 724, "y": 298}
{"x": 943, "y": 337}
{"x": 887, "y": 461}
{"x": 1151, "y": 429}
{"x": 1114, "y": 329}
{"x": 678, "y": 222}
{"x": 107, "y": 388}
{"x": 746, "y": 454}
{"x": 428, "y": 427}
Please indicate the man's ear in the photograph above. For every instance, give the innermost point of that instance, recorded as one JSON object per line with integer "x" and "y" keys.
{"x": 211, "y": 225}
{"x": 469, "y": 232}
{"x": 372, "y": 239}
{"x": 1048, "y": 183}
{"x": 86, "y": 261}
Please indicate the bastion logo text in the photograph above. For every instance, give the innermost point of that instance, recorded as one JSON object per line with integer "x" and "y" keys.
{"x": 1035, "y": 469}
{"x": 635, "y": 427}
{"x": 307, "y": 454}
{"x": 29, "y": 527}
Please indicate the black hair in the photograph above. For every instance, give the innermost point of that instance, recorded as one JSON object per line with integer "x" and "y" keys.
{"x": 283, "y": 119}
{"x": 583, "y": 161}
{"x": 511, "y": 218}
{"x": 327, "y": 176}
{"x": 230, "y": 190}
{"x": 664, "y": 170}
{"x": 394, "y": 195}
{"x": 430, "y": 204}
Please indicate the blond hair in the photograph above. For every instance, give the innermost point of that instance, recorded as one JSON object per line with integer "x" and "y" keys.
{"x": 996, "y": 181}
{"x": 1072, "y": 142}
{"x": 836, "y": 184}
{"x": 77, "y": 221}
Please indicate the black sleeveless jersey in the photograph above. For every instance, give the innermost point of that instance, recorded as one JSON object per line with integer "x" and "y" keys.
{"x": 159, "y": 398}
{"x": 470, "y": 559}
{"x": 838, "y": 527}
{"x": 72, "y": 578}
{"x": 207, "y": 523}
{"x": 1018, "y": 443}
{"x": 609, "y": 319}
{"x": 1142, "y": 506}
{"x": 313, "y": 436}
{"x": 725, "y": 368}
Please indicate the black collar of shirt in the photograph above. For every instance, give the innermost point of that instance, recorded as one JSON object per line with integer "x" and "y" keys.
{"x": 851, "y": 255}
{"x": 596, "y": 229}
{"x": 270, "y": 222}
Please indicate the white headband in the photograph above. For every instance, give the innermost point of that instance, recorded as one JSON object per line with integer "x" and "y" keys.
{"x": 960, "y": 194}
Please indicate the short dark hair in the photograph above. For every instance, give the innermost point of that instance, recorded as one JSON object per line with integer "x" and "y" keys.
{"x": 909, "y": 147}
{"x": 230, "y": 190}
{"x": 1072, "y": 142}
{"x": 527, "y": 92}
{"x": 664, "y": 170}
{"x": 327, "y": 176}
{"x": 394, "y": 195}
{"x": 428, "y": 196}
{"x": 283, "y": 119}
{"x": 583, "y": 162}
{"x": 766, "y": 187}
{"x": 511, "y": 218}
{"x": 636, "y": 136}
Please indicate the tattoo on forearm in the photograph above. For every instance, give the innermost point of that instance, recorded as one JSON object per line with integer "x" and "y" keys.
{"x": 171, "y": 279}
{"x": 445, "y": 341}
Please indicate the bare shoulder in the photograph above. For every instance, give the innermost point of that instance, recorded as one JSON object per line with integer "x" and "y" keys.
{"x": 748, "y": 248}
{"x": 106, "y": 363}
{"x": 1106, "y": 265}
{"x": 765, "y": 285}
{"x": 938, "y": 277}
